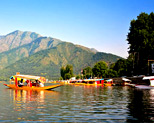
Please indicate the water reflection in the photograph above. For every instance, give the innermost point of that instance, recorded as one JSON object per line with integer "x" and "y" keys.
{"x": 94, "y": 103}
{"x": 141, "y": 105}
{"x": 71, "y": 103}
{"x": 30, "y": 105}
{"x": 22, "y": 98}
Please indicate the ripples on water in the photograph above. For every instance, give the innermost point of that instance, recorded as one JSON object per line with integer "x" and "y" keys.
{"x": 71, "y": 103}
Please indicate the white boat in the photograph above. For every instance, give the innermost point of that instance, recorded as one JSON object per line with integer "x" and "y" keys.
{"x": 126, "y": 81}
{"x": 150, "y": 80}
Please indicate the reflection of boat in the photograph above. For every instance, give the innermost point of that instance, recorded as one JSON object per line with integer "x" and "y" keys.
{"x": 32, "y": 99}
{"x": 28, "y": 95}
{"x": 29, "y": 82}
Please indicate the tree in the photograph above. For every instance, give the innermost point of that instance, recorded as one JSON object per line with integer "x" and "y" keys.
{"x": 141, "y": 41}
{"x": 66, "y": 72}
{"x": 123, "y": 67}
{"x": 111, "y": 73}
{"x": 67, "y": 76}
{"x": 69, "y": 69}
{"x": 61, "y": 78}
{"x": 100, "y": 69}
{"x": 87, "y": 72}
{"x": 78, "y": 77}
{"x": 62, "y": 72}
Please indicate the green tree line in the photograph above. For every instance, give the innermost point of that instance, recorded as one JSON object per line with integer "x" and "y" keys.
{"x": 100, "y": 70}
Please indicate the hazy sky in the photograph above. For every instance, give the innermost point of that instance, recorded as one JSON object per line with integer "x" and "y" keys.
{"x": 99, "y": 24}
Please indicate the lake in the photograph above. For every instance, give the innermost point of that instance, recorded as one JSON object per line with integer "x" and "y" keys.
{"x": 77, "y": 103}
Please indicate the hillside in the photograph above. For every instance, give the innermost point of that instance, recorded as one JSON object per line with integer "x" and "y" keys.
{"x": 11, "y": 56}
{"x": 16, "y": 39}
{"x": 48, "y": 62}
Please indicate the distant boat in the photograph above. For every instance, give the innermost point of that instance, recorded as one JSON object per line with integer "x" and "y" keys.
{"x": 149, "y": 83}
{"x": 107, "y": 82}
{"x": 29, "y": 82}
{"x": 126, "y": 81}
{"x": 90, "y": 81}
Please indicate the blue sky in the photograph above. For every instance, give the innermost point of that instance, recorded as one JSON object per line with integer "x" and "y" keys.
{"x": 99, "y": 24}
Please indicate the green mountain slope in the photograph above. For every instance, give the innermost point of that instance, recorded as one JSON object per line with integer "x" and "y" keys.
{"x": 48, "y": 62}
{"x": 13, "y": 55}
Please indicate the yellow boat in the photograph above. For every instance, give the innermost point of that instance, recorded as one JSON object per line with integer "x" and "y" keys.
{"x": 29, "y": 82}
{"x": 88, "y": 82}
{"x": 108, "y": 82}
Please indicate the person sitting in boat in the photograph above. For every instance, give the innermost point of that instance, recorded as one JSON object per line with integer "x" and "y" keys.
{"x": 29, "y": 83}
{"x": 37, "y": 83}
{"x": 12, "y": 78}
{"x": 20, "y": 83}
{"x": 41, "y": 84}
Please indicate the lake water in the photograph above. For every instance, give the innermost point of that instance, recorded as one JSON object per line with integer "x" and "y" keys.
{"x": 72, "y": 103}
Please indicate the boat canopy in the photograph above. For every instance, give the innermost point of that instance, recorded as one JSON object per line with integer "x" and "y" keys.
{"x": 108, "y": 80}
{"x": 12, "y": 78}
{"x": 86, "y": 80}
{"x": 41, "y": 79}
{"x": 98, "y": 79}
{"x": 127, "y": 80}
{"x": 148, "y": 77}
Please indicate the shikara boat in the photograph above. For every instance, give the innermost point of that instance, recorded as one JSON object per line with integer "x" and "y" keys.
{"x": 89, "y": 82}
{"x": 93, "y": 81}
{"x": 108, "y": 82}
{"x": 29, "y": 82}
{"x": 148, "y": 83}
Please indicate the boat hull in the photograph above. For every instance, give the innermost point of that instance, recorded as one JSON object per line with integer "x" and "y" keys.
{"x": 33, "y": 87}
{"x": 144, "y": 87}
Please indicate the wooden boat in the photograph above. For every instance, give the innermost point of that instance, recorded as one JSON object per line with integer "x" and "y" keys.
{"x": 126, "y": 81}
{"x": 29, "y": 82}
{"x": 108, "y": 82}
{"x": 148, "y": 83}
{"x": 93, "y": 81}
{"x": 33, "y": 87}
{"x": 89, "y": 81}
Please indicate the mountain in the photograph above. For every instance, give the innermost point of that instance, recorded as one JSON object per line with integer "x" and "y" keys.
{"x": 94, "y": 50}
{"x": 16, "y": 39}
{"x": 45, "y": 56}
{"x": 25, "y": 50}
{"x": 48, "y": 62}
